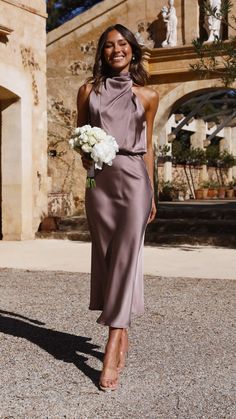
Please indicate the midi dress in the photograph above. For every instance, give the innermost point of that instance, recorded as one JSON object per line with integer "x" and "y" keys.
{"x": 118, "y": 207}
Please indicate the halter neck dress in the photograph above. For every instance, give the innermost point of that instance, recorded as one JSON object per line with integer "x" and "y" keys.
{"x": 119, "y": 206}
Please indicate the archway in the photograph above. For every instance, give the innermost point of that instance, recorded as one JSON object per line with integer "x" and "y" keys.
{"x": 199, "y": 123}
{"x": 10, "y": 166}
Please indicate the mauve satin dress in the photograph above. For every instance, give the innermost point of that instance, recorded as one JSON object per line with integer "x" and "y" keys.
{"x": 119, "y": 206}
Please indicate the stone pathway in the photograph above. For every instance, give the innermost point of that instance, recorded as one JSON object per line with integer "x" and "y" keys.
{"x": 171, "y": 261}
{"x": 181, "y": 355}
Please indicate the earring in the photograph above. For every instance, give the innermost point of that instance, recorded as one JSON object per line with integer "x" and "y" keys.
{"x": 133, "y": 58}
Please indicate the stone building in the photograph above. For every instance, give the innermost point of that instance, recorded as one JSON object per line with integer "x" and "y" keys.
{"x": 70, "y": 51}
{"x": 23, "y": 118}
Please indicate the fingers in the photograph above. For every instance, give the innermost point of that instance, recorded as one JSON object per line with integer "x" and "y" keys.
{"x": 87, "y": 163}
{"x": 152, "y": 213}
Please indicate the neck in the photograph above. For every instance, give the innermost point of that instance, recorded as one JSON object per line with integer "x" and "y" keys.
{"x": 117, "y": 73}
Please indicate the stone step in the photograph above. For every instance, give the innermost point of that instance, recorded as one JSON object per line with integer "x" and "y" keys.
{"x": 156, "y": 238}
{"x": 222, "y": 240}
{"x": 63, "y": 235}
{"x": 177, "y": 223}
{"x": 80, "y": 225}
{"x": 78, "y": 222}
{"x": 190, "y": 226}
{"x": 198, "y": 211}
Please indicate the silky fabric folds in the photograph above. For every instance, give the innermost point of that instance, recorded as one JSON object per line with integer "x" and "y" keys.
{"x": 119, "y": 206}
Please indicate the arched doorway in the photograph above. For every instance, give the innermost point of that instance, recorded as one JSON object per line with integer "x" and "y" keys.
{"x": 10, "y": 165}
{"x": 200, "y": 124}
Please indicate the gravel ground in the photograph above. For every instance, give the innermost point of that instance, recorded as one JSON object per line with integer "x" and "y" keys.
{"x": 180, "y": 362}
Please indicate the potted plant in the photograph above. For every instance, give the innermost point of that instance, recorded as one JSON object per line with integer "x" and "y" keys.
{"x": 180, "y": 188}
{"x": 164, "y": 153}
{"x": 230, "y": 190}
{"x": 221, "y": 191}
{"x": 199, "y": 193}
{"x": 213, "y": 189}
{"x": 227, "y": 160}
{"x": 204, "y": 187}
{"x": 167, "y": 191}
{"x": 212, "y": 155}
{"x": 197, "y": 157}
{"x": 234, "y": 185}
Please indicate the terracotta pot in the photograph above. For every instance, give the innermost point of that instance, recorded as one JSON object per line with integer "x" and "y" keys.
{"x": 199, "y": 193}
{"x": 229, "y": 193}
{"x": 212, "y": 193}
{"x": 221, "y": 193}
{"x": 205, "y": 193}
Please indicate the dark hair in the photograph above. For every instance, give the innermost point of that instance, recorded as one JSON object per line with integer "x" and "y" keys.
{"x": 101, "y": 70}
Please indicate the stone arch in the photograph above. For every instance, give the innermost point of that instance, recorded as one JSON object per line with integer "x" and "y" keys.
{"x": 16, "y": 156}
{"x": 172, "y": 102}
{"x": 178, "y": 93}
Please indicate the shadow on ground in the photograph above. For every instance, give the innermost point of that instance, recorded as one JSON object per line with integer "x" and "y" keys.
{"x": 60, "y": 345}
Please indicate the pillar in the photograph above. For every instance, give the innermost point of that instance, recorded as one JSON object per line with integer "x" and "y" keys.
{"x": 191, "y": 21}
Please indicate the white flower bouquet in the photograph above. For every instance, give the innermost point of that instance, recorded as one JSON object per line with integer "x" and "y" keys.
{"x": 97, "y": 145}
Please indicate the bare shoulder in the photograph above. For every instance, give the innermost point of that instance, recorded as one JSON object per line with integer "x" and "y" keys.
{"x": 84, "y": 91}
{"x": 83, "y": 104}
{"x": 148, "y": 96}
{"x": 150, "y": 92}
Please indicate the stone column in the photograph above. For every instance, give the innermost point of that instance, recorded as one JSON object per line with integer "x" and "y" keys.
{"x": 197, "y": 140}
{"x": 17, "y": 203}
{"x": 231, "y": 31}
{"x": 233, "y": 141}
{"x": 163, "y": 140}
{"x": 167, "y": 171}
{"x": 233, "y": 147}
{"x": 226, "y": 142}
{"x": 191, "y": 21}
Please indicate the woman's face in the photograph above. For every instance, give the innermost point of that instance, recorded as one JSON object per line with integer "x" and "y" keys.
{"x": 117, "y": 51}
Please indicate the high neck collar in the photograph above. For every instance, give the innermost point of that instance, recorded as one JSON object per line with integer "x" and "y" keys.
{"x": 125, "y": 76}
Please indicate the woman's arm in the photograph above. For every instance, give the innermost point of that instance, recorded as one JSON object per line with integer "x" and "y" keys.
{"x": 83, "y": 104}
{"x": 83, "y": 114}
{"x": 151, "y": 109}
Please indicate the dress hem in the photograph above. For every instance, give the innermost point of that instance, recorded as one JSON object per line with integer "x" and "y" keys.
{"x": 114, "y": 324}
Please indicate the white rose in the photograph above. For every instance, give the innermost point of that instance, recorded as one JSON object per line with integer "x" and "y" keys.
{"x": 72, "y": 142}
{"x": 99, "y": 133}
{"x": 81, "y": 130}
{"x": 86, "y": 148}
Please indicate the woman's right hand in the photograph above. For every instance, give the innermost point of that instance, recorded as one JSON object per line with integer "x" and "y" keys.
{"x": 86, "y": 162}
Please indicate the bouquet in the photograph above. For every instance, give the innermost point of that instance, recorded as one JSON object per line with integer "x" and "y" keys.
{"x": 97, "y": 145}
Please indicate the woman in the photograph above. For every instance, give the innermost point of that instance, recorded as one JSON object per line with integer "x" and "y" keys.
{"x": 122, "y": 202}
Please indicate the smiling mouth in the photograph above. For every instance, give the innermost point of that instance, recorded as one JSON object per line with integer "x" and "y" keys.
{"x": 118, "y": 58}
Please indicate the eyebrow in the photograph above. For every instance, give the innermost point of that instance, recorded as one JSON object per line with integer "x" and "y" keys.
{"x": 119, "y": 40}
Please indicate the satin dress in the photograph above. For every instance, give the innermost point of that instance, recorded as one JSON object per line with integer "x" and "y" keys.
{"x": 119, "y": 206}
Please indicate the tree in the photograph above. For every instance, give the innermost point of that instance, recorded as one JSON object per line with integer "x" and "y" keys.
{"x": 218, "y": 59}
{"x": 60, "y": 11}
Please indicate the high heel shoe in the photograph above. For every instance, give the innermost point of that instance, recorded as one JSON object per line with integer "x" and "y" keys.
{"x": 107, "y": 388}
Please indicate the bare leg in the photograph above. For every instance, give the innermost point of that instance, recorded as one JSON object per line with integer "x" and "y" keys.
{"x": 124, "y": 347}
{"x": 109, "y": 374}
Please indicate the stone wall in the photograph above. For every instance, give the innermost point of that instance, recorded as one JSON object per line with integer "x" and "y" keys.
{"x": 24, "y": 117}
{"x": 70, "y": 51}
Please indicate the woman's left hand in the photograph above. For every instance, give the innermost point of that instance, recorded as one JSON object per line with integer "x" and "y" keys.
{"x": 152, "y": 212}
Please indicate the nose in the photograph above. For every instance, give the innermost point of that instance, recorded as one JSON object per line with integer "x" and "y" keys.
{"x": 117, "y": 47}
